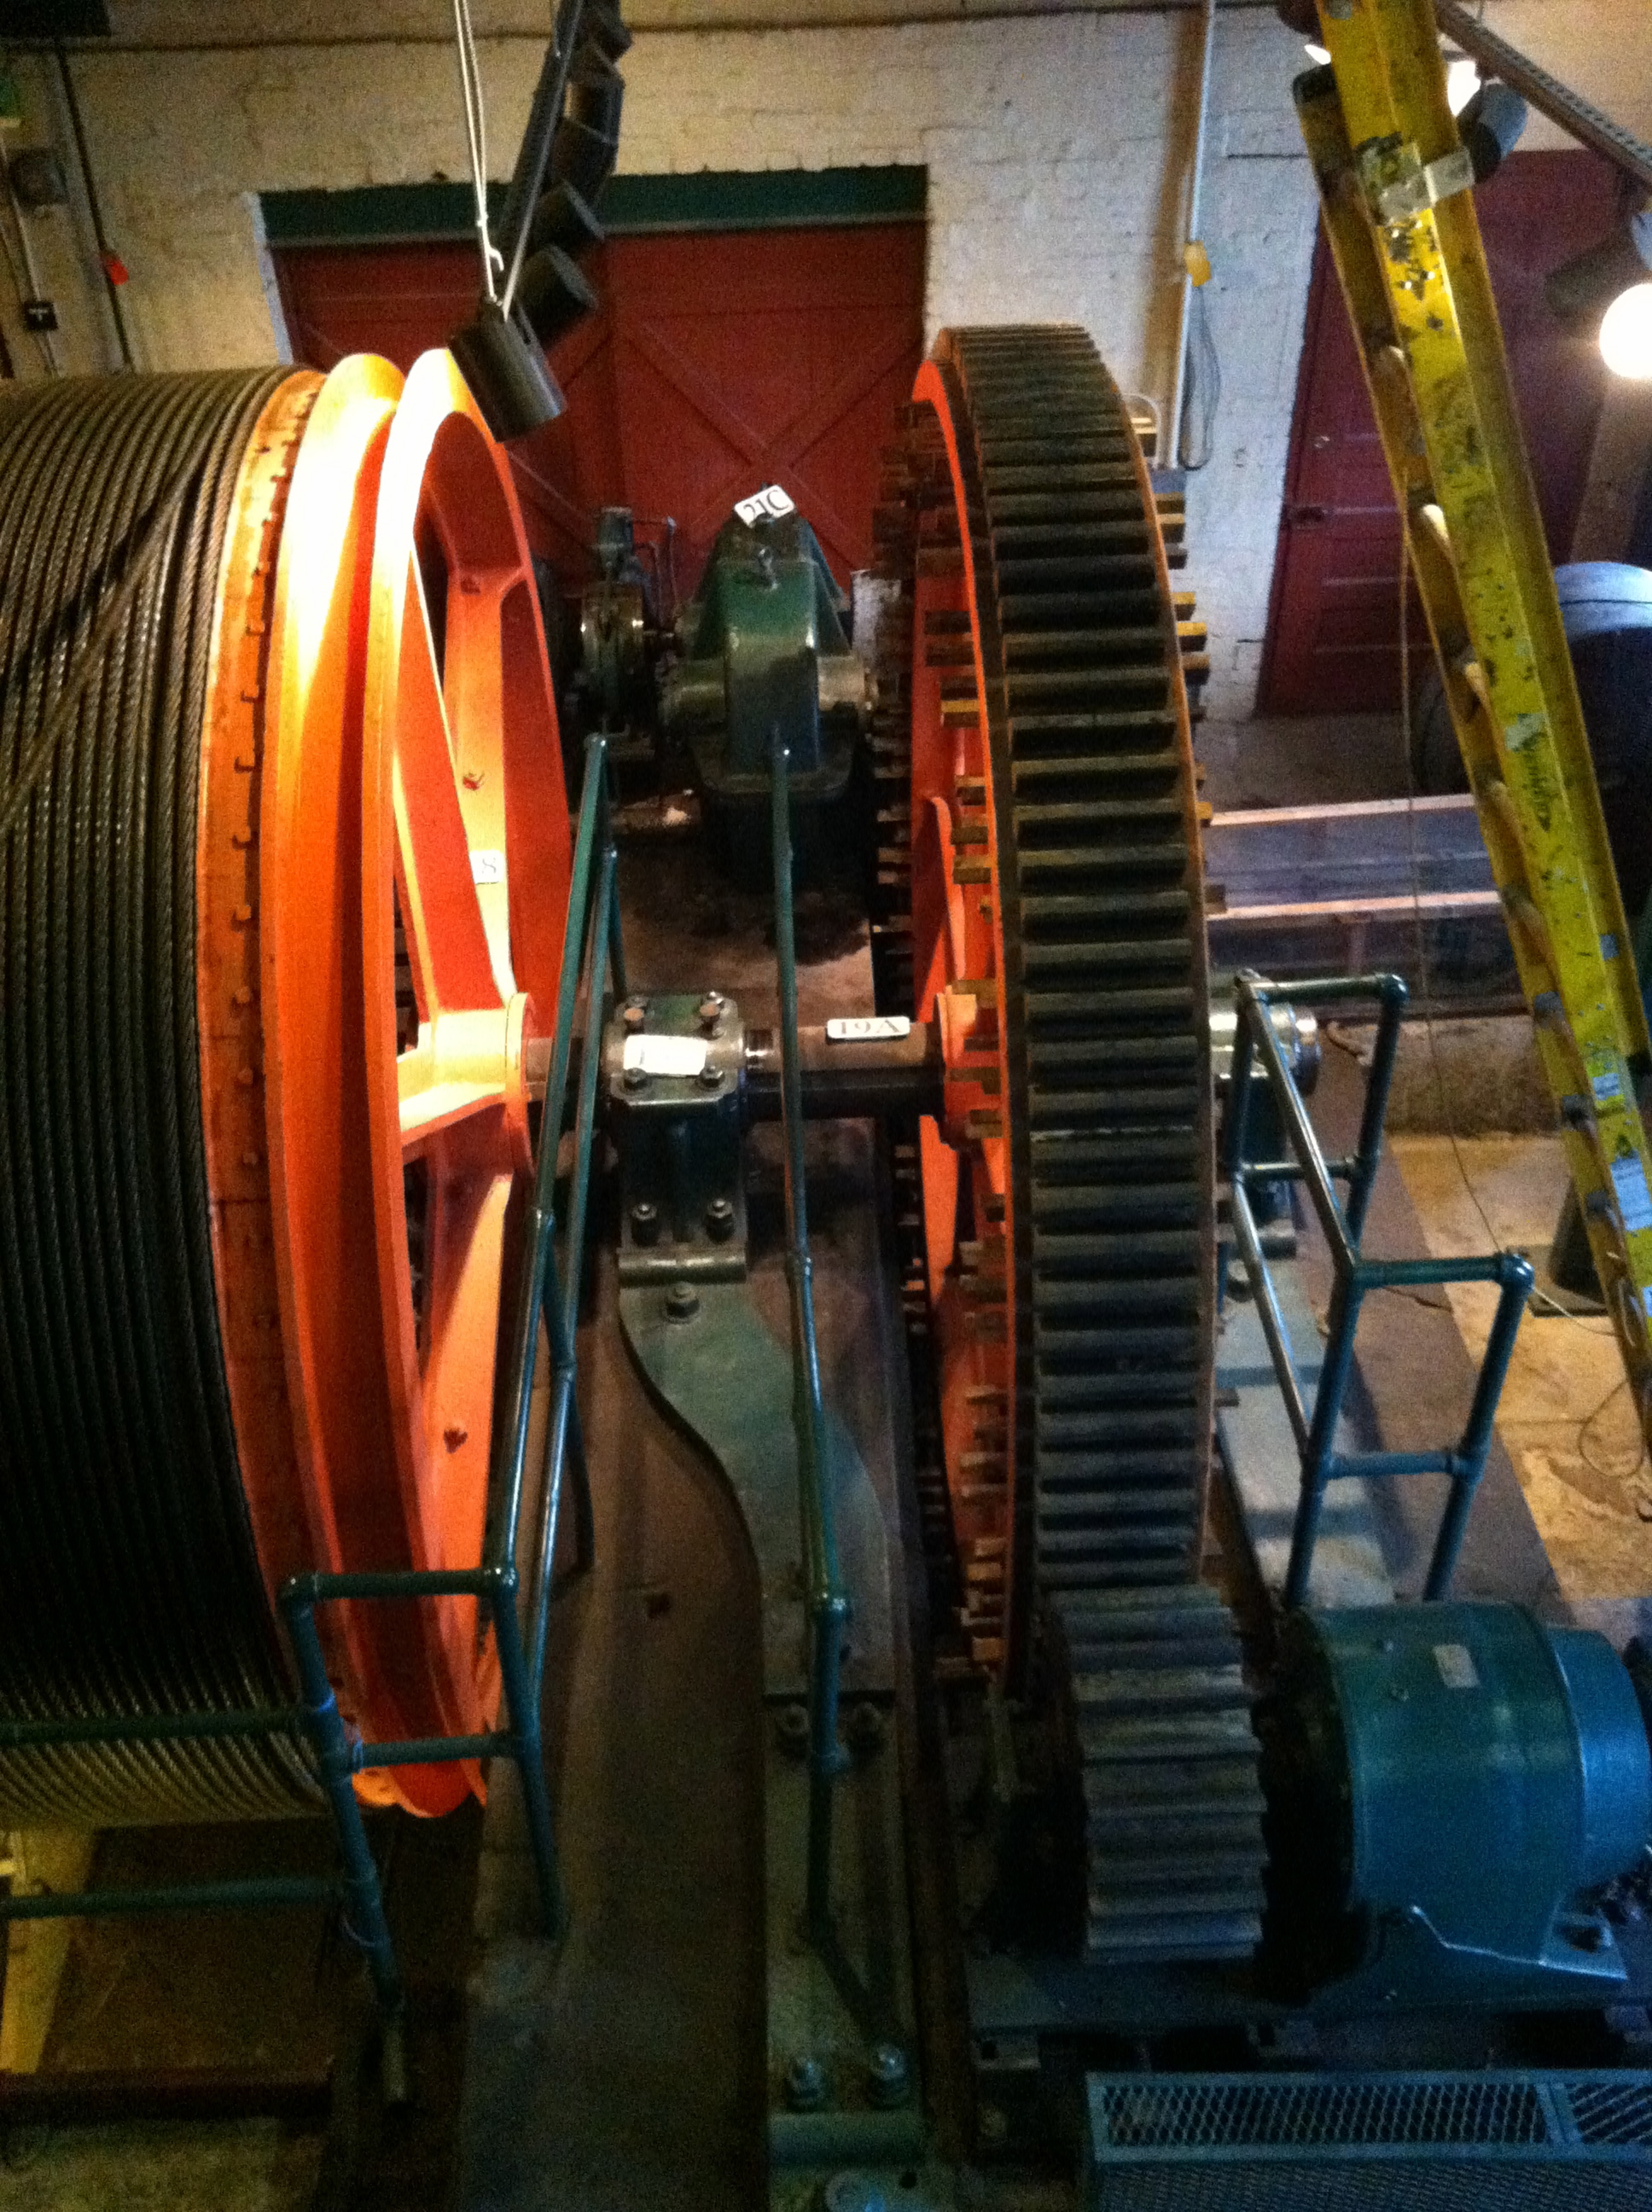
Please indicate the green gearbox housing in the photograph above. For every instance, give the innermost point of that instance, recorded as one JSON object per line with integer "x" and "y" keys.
{"x": 765, "y": 650}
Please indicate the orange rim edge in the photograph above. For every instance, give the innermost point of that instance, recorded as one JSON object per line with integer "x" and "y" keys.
{"x": 357, "y": 773}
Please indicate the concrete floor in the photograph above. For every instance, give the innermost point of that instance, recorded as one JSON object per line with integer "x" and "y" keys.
{"x": 226, "y": 2165}
{"x": 1462, "y": 1076}
{"x": 1567, "y": 1420}
{"x": 1473, "y": 1140}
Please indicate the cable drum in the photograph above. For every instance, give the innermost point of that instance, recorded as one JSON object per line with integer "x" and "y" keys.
{"x": 284, "y": 882}
{"x": 130, "y": 1583}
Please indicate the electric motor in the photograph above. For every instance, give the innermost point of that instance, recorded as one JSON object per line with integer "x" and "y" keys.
{"x": 1447, "y": 1787}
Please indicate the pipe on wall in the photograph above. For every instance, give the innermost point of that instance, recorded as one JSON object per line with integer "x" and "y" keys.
{"x": 1178, "y": 386}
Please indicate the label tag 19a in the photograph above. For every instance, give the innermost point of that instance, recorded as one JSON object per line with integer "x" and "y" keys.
{"x": 867, "y": 1029}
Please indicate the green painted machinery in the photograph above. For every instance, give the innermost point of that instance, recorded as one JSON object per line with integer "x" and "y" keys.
{"x": 764, "y": 646}
{"x": 1452, "y": 1790}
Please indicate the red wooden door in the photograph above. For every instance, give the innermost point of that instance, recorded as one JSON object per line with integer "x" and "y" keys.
{"x": 1333, "y": 623}
{"x": 720, "y": 362}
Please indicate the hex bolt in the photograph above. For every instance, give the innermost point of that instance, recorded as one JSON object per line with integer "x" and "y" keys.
{"x": 682, "y": 1301}
{"x": 864, "y": 1730}
{"x": 645, "y": 1223}
{"x": 710, "y": 1010}
{"x": 888, "y": 2081}
{"x": 720, "y": 1220}
{"x": 805, "y": 2084}
{"x": 635, "y": 1015}
{"x": 634, "y": 1079}
{"x": 710, "y": 1076}
{"x": 792, "y": 1729}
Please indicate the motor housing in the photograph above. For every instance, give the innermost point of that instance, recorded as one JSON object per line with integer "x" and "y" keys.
{"x": 1448, "y": 1788}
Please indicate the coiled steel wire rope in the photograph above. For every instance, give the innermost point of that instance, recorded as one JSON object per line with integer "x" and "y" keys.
{"x": 130, "y": 1583}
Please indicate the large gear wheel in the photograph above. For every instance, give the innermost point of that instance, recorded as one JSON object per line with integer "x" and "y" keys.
{"x": 1034, "y": 749}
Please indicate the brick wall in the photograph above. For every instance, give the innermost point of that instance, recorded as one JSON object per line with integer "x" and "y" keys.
{"x": 1056, "y": 146}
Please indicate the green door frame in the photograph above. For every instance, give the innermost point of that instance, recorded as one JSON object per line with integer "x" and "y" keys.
{"x": 707, "y": 200}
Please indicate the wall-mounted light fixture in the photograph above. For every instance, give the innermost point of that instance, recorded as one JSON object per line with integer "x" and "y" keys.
{"x": 1626, "y": 334}
{"x": 1609, "y": 286}
{"x": 1462, "y": 80}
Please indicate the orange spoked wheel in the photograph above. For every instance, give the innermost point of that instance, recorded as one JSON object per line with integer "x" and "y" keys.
{"x": 420, "y": 866}
{"x": 280, "y": 894}
{"x": 1056, "y": 929}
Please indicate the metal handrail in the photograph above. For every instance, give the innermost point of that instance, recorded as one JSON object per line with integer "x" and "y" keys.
{"x": 823, "y": 1593}
{"x": 588, "y": 948}
{"x": 1354, "y": 1276}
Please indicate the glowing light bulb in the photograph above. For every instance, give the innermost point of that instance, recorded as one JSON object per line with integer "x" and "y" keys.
{"x": 1462, "y": 82}
{"x": 1315, "y": 53}
{"x": 1626, "y": 335}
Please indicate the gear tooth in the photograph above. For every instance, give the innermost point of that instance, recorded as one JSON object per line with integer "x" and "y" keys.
{"x": 1093, "y": 861}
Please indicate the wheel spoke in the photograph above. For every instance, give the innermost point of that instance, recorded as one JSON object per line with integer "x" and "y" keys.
{"x": 453, "y": 967}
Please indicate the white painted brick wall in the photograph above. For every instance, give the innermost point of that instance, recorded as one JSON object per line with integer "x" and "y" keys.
{"x": 1262, "y": 213}
{"x": 1056, "y": 149}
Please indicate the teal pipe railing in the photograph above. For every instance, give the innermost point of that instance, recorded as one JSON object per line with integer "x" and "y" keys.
{"x": 1354, "y": 1275}
{"x": 828, "y": 1605}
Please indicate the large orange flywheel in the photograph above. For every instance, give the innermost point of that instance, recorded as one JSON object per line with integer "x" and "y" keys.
{"x": 283, "y": 880}
{"x": 413, "y": 884}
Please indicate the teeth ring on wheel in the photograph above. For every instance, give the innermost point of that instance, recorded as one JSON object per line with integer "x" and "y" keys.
{"x": 1055, "y": 934}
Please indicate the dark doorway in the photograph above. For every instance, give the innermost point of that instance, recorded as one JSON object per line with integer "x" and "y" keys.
{"x": 1334, "y": 620}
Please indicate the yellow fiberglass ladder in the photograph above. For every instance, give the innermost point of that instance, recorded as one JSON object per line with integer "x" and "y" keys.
{"x": 1394, "y": 182}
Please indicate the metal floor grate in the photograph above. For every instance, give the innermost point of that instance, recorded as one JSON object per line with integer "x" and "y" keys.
{"x": 1405, "y": 2142}
{"x": 1318, "y": 2112}
{"x": 1611, "y": 2108}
